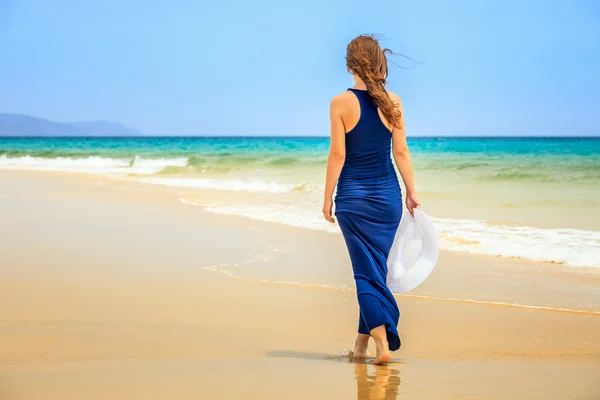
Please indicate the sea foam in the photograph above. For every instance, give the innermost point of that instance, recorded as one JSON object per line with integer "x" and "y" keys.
{"x": 253, "y": 185}
{"x": 572, "y": 247}
{"x": 92, "y": 165}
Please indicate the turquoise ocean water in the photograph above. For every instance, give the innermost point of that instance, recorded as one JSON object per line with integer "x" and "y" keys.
{"x": 533, "y": 198}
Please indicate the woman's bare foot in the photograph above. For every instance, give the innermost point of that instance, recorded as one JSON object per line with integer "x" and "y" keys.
{"x": 379, "y": 335}
{"x": 360, "y": 346}
{"x": 383, "y": 352}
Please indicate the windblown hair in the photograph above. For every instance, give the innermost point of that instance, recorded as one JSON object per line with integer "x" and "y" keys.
{"x": 365, "y": 58}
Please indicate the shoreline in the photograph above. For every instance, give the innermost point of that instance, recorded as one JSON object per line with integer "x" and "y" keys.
{"x": 184, "y": 193}
{"x": 417, "y": 297}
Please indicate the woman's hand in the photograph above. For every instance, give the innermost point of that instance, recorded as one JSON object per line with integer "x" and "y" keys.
{"x": 411, "y": 203}
{"x": 327, "y": 209}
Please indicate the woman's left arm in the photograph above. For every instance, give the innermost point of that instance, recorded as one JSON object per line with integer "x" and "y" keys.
{"x": 337, "y": 155}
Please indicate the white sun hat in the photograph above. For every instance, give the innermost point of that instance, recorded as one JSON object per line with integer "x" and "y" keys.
{"x": 413, "y": 254}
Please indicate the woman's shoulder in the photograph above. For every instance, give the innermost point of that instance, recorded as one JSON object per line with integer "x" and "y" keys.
{"x": 395, "y": 98}
{"x": 343, "y": 98}
{"x": 344, "y": 103}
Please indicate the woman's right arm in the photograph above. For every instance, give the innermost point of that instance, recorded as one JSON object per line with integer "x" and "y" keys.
{"x": 402, "y": 159}
{"x": 337, "y": 155}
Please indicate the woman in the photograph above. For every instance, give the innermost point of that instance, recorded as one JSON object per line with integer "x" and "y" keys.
{"x": 367, "y": 125}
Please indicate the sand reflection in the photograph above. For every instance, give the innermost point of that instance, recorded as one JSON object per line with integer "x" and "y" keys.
{"x": 376, "y": 382}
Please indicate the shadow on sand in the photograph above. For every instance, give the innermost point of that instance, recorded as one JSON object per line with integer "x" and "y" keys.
{"x": 372, "y": 382}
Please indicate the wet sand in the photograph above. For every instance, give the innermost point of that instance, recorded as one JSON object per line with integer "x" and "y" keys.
{"x": 108, "y": 290}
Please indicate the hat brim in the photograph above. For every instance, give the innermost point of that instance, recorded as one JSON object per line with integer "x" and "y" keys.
{"x": 403, "y": 278}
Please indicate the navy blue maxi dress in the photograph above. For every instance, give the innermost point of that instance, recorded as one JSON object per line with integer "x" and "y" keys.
{"x": 368, "y": 210}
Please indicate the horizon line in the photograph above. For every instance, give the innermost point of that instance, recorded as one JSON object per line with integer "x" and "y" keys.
{"x": 202, "y": 136}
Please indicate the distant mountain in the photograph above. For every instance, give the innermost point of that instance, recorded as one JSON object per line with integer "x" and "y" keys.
{"x": 25, "y": 125}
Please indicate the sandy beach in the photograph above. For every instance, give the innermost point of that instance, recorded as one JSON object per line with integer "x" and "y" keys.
{"x": 117, "y": 290}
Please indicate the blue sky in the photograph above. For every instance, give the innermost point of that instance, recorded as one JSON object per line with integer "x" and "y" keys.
{"x": 527, "y": 67}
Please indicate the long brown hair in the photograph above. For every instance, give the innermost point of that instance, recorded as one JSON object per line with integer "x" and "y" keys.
{"x": 365, "y": 58}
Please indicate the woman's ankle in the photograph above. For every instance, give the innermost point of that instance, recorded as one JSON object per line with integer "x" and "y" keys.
{"x": 381, "y": 344}
{"x": 362, "y": 339}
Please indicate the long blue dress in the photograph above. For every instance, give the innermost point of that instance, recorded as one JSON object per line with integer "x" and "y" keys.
{"x": 368, "y": 210}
